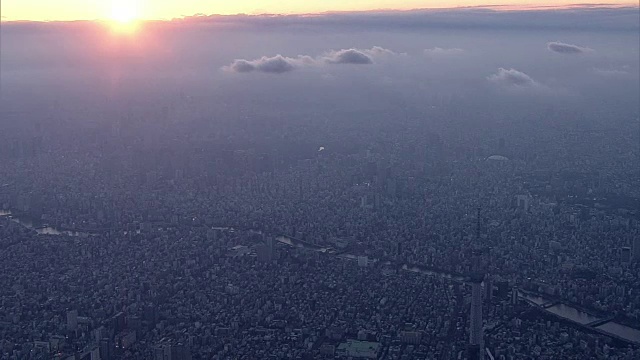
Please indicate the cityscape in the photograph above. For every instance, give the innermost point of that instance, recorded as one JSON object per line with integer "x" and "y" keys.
{"x": 374, "y": 199}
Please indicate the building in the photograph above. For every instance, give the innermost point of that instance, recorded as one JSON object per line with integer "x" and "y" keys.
{"x": 125, "y": 339}
{"x": 170, "y": 350}
{"x": 411, "y": 337}
{"x": 636, "y": 249}
{"x": 522, "y": 202}
{"x": 363, "y": 261}
{"x": 488, "y": 287}
{"x": 476, "y": 335}
{"x": 239, "y": 250}
{"x": 72, "y": 320}
{"x": 180, "y": 351}
{"x": 162, "y": 351}
{"x": 327, "y": 349}
{"x": 266, "y": 251}
{"x": 359, "y": 349}
{"x": 107, "y": 349}
{"x": 90, "y": 353}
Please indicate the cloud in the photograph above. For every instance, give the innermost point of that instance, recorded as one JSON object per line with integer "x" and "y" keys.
{"x": 276, "y": 65}
{"x": 273, "y": 65}
{"x": 438, "y": 51}
{"x": 241, "y": 66}
{"x": 348, "y": 56}
{"x": 380, "y": 51}
{"x": 281, "y": 64}
{"x": 622, "y": 73}
{"x": 512, "y": 78}
{"x": 358, "y": 56}
{"x": 564, "y": 48}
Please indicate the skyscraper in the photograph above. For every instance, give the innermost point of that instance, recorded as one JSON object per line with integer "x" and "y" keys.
{"x": 476, "y": 335}
{"x": 266, "y": 250}
{"x": 636, "y": 249}
{"x": 72, "y": 320}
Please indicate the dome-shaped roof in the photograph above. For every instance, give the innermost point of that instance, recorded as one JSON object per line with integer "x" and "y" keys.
{"x": 498, "y": 158}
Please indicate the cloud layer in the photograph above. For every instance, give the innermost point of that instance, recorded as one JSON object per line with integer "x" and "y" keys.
{"x": 564, "y": 48}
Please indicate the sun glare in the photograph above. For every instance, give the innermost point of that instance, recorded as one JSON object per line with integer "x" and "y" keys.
{"x": 124, "y": 15}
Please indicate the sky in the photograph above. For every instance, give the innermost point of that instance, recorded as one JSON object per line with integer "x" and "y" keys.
{"x": 48, "y": 10}
{"x": 459, "y": 70}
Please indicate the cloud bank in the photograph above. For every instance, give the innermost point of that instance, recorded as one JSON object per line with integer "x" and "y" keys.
{"x": 564, "y": 48}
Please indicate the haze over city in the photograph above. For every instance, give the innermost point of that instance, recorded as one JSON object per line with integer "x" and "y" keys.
{"x": 319, "y": 180}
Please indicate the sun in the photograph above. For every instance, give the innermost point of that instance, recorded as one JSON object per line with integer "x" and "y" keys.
{"x": 124, "y": 15}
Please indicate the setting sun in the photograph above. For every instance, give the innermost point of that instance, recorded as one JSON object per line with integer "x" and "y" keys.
{"x": 124, "y": 15}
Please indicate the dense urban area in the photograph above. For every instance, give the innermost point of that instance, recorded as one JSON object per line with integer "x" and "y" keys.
{"x": 318, "y": 239}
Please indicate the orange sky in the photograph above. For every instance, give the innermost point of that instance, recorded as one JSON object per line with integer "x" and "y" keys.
{"x": 42, "y": 10}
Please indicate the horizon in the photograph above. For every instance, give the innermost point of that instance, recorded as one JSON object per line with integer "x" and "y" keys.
{"x": 103, "y": 14}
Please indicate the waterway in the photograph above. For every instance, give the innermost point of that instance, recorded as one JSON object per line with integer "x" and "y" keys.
{"x": 40, "y": 229}
{"x": 622, "y": 331}
{"x": 583, "y": 318}
{"x": 571, "y": 313}
{"x": 562, "y": 310}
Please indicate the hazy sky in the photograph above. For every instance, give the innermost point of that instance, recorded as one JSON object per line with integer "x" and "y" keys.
{"x": 457, "y": 69}
{"x": 167, "y": 9}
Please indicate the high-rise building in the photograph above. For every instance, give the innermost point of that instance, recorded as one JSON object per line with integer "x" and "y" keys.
{"x": 523, "y": 202}
{"x": 270, "y": 242}
{"x": 266, "y": 250}
{"x": 514, "y": 296}
{"x": 170, "y": 350}
{"x": 72, "y": 320}
{"x": 625, "y": 254}
{"x": 162, "y": 352}
{"x": 488, "y": 287}
{"x": 476, "y": 335}
{"x": 363, "y": 261}
{"x": 107, "y": 349}
{"x": 399, "y": 248}
{"x": 636, "y": 249}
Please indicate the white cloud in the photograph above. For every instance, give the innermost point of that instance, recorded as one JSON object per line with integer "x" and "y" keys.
{"x": 281, "y": 64}
{"x": 442, "y": 52}
{"x": 564, "y": 48}
{"x": 512, "y": 78}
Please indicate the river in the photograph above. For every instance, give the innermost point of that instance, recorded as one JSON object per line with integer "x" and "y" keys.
{"x": 572, "y": 313}
{"x": 41, "y": 230}
{"x": 583, "y": 318}
{"x": 562, "y": 310}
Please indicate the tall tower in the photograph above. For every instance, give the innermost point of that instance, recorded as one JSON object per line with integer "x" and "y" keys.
{"x": 636, "y": 249}
{"x": 270, "y": 248}
{"x": 476, "y": 335}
